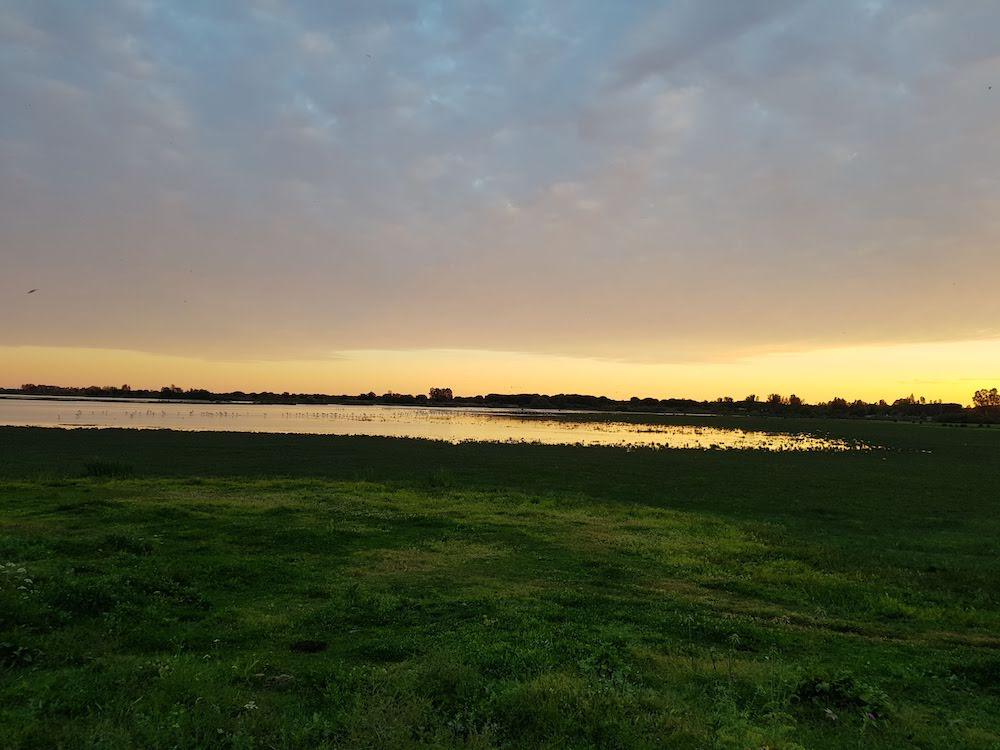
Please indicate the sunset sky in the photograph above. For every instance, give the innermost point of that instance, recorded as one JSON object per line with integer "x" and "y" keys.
{"x": 659, "y": 199}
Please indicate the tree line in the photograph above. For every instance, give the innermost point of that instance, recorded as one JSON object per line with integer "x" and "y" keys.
{"x": 985, "y": 402}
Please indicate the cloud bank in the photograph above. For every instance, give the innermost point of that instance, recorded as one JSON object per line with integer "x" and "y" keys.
{"x": 648, "y": 182}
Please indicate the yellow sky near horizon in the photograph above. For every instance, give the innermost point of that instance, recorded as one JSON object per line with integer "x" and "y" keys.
{"x": 950, "y": 371}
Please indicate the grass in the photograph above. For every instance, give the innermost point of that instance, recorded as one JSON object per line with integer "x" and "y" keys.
{"x": 163, "y": 589}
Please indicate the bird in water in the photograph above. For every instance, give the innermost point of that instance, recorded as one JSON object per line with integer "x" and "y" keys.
{"x": 32, "y": 291}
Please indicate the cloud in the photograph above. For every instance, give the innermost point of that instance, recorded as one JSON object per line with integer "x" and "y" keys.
{"x": 637, "y": 181}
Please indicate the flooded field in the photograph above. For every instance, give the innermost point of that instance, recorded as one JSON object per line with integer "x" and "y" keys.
{"x": 448, "y": 424}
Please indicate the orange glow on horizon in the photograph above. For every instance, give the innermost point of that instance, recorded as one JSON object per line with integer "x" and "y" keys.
{"x": 947, "y": 371}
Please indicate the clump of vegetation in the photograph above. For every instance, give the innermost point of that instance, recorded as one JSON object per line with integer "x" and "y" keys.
{"x": 102, "y": 468}
{"x": 128, "y": 543}
{"x": 441, "y": 479}
{"x": 14, "y": 656}
{"x": 843, "y": 693}
{"x": 983, "y": 673}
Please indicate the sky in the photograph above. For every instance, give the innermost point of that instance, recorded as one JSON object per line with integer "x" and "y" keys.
{"x": 682, "y": 198}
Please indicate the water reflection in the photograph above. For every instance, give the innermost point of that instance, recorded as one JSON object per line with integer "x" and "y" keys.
{"x": 452, "y": 425}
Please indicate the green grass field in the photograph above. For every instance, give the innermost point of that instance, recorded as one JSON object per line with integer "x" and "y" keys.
{"x": 185, "y": 590}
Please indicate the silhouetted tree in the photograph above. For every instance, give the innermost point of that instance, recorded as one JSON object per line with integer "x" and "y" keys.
{"x": 986, "y": 399}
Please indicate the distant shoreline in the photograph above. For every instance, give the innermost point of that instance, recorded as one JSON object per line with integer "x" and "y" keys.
{"x": 428, "y": 405}
{"x": 122, "y": 399}
{"x": 906, "y": 409}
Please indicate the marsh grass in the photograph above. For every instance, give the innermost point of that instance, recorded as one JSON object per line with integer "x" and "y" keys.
{"x": 690, "y": 604}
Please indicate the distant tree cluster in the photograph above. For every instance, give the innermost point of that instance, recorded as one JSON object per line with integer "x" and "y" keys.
{"x": 986, "y": 399}
{"x": 985, "y": 408}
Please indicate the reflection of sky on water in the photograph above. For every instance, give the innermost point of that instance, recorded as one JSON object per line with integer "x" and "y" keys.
{"x": 452, "y": 425}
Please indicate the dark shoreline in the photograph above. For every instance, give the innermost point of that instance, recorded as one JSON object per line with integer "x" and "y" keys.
{"x": 908, "y": 409}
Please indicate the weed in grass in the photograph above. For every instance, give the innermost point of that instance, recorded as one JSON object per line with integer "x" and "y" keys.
{"x": 843, "y": 693}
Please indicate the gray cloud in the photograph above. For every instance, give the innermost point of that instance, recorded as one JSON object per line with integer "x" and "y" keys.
{"x": 648, "y": 182}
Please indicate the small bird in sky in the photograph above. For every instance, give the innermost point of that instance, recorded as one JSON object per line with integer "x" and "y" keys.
{"x": 32, "y": 291}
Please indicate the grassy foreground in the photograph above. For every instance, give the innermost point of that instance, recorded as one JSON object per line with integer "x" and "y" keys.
{"x": 162, "y": 589}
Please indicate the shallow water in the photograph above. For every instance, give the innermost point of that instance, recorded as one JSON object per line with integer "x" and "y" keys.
{"x": 448, "y": 424}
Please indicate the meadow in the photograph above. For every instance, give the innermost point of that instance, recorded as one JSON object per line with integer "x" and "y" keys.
{"x": 179, "y": 590}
